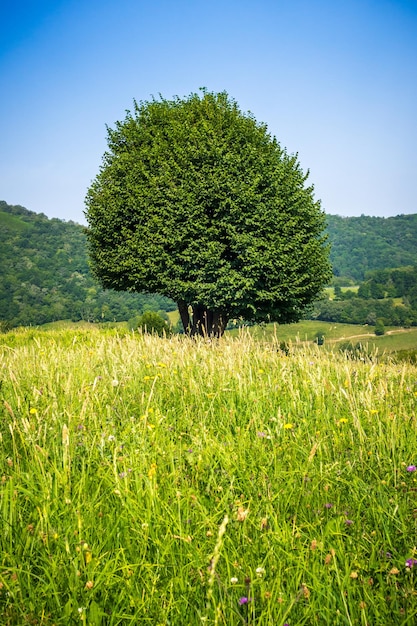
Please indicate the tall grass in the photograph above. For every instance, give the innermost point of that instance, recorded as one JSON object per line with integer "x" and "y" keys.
{"x": 168, "y": 481}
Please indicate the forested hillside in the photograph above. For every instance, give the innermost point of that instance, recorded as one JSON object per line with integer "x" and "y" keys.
{"x": 44, "y": 273}
{"x": 360, "y": 244}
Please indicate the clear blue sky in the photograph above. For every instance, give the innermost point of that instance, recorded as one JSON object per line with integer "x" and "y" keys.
{"x": 334, "y": 80}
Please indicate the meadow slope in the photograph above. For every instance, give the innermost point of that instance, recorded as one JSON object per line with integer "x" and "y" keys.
{"x": 174, "y": 482}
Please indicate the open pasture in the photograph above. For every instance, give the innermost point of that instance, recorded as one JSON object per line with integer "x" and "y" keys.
{"x": 173, "y": 482}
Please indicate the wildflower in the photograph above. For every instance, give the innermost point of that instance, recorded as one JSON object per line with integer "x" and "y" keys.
{"x": 353, "y": 574}
{"x": 243, "y": 600}
{"x": 411, "y": 468}
{"x": 348, "y": 522}
{"x": 328, "y": 505}
{"x": 288, "y": 426}
{"x": 242, "y": 514}
{"x": 33, "y": 411}
{"x": 261, "y": 434}
{"x": 152, "y": 470}
{"x": 343, "y": 420}
{"x": 115, "y": 383}
{"x": 267, "y": 595}
{"x": 123, "y": 474}
{"x": 313, "y": 544}
{"x": 260, "y": 571}
{"x": 89, "y": 584}
{"x": 410, "y": 563}
{"x": 394, "y": 571}
{"x": 233, "y": 580}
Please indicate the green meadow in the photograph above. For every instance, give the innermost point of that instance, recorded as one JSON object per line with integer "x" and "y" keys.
{"x": 169, "y": 481}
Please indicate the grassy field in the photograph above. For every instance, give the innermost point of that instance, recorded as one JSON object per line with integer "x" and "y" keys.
{"x": 177, "y": 482}
{"x": 336, "y": 335}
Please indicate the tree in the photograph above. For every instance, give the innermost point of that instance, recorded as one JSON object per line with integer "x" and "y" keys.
{"x": 152, "y": 322}
{"x": 196, "y": 201}
{"x": 379, "y": 327}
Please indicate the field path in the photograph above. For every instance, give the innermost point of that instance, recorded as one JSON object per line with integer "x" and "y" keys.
{"x": 389, "y": 332}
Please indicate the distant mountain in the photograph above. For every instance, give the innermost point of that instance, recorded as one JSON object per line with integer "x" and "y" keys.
{"x": 360, "y": 244}
{"x": 44, "y": 273}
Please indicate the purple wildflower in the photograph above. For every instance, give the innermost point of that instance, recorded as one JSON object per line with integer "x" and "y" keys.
{"x": 328, "y": 505}
{"x": 410, "y": 563}
{"x": 243, "y": 600}
{"x": 349, "y": 522}
{"x": 411, "y": 468}
{"x": 261, "y": 434}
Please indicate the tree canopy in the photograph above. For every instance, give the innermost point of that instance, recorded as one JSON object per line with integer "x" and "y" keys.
{"x": 195, "y": 200}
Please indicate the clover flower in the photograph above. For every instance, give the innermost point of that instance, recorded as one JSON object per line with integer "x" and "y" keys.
{"x": 411, "y": 468}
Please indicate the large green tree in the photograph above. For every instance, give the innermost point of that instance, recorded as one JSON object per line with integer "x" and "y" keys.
{"x": 196, "y": 201}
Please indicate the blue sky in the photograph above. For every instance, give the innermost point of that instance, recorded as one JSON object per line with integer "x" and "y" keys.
{"x": 335, "y": 81}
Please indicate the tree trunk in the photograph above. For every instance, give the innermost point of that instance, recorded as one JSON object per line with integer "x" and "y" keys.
{"x": 202, "y": 321}
{"x": 185, "y": 316}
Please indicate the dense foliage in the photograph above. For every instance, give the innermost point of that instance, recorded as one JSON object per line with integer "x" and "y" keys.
{"x": 196, "y": 201}
{"x": 45, "y": 274}
{"x": 389, "y": 295}
{"x": 360, "y": 244}
{"x": 365, "y": 311}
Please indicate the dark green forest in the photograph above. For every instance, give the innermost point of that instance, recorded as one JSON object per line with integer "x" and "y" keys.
{"x": 45, "y": 274}
{"x": 361, "y": 244}
{"x": 386, "y": 295}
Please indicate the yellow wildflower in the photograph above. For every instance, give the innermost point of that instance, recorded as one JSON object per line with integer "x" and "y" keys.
{"x": 152, "y": 470}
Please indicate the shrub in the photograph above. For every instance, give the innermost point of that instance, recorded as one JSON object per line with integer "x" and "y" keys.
{"x": 153, "y": 323}
{"x": 379, "y": 327}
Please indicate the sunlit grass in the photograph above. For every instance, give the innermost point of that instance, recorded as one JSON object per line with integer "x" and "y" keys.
{"x": 169, "y": 481}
